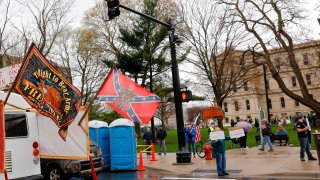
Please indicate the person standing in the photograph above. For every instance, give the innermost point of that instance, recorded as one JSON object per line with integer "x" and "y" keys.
{"x": 190, "y": 138}
{"x": 211, "y": 129}
{"x": 302, "y": 129}
{"x": 246, "y": 128}
{"x": 161, "y": 135}
{"x": 256, "y": 124}
{"x": 219, "y": 149}
{"x": 147, "y": 137}
{"x": 266, "y": 131}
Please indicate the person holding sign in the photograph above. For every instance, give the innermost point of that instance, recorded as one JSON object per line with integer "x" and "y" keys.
{"x": 219, "y": 149}
{"x": 302, "y": 130}
{"x": 246, "y": 128}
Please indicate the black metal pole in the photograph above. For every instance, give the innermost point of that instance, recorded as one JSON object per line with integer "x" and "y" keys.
{"x": 183, "y": 155}
{"x": 151, "y": 90}
{"x": 266, "y": 91}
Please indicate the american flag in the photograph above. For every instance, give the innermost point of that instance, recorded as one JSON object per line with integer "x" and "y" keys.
{"x": 197, "y": 127}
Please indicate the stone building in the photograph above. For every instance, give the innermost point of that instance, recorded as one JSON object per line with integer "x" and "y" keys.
{"x": 247, "y": 99}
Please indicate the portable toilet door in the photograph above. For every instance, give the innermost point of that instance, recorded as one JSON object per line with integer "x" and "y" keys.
{"x": 99, "y": 133}
{"x": 123, "y": 145}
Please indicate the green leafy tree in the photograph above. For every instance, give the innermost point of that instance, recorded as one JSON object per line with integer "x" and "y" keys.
{"x": 146, "y": 52}
{"x": 98, "y": 112}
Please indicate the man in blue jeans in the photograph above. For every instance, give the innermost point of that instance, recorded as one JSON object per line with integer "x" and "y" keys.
{"x": 302, "y": 130}
{"x": 190, "y": 138}
{"x": 266, "y": 131}
{"x": 219, "y": 149}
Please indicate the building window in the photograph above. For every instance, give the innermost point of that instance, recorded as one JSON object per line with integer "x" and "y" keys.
{"x": 294, "y": 82}
{"x": 269, "y": 103}
{"x": 245, "y": 86}
{"x": 248, "y": 104}
{"x": 236, "y": 106}
{"x": 283, "y": 103}
{"x": 305, "y": 59}
{"x": 297, "y": 103}
{"x": 234, "y": 86}
{"x": 225, "y": 104}
{"x": 308, "y": 78}
{"x": 267, "y": 85}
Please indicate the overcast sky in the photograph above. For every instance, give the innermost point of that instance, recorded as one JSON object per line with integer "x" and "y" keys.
{"x": 80, "y": 6}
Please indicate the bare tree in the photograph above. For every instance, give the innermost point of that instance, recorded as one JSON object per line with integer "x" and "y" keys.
{"x": 79, "y": 53}
{"x": 166, "y": 108}
{"x": 8, "y": 40}
{"x": 275, "y": 23}
{"x": 214, "y": 39}
{"x": 49, "y": 21}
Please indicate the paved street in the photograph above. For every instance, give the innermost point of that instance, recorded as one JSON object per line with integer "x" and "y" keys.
{"x": 284, "y": 163}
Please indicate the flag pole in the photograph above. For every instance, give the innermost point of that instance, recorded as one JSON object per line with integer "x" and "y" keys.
{"x": 19, "y": 72}
{"x": 91, "y": 102}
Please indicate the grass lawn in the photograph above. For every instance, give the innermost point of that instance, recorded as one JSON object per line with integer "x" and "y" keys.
{"x": 172, "y": 139}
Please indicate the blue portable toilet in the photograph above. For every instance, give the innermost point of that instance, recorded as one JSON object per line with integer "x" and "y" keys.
{"x": 99, "y": 133}
{"x": 123, "y": 145}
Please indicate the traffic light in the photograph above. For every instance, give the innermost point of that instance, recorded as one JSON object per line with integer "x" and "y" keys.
{"x": 113, "y": 8}
{"x": 186, "y": 96}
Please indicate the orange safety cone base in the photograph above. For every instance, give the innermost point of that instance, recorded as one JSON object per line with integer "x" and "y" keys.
{"x": 153, "y": 156}
{"x": 140, "y": 167}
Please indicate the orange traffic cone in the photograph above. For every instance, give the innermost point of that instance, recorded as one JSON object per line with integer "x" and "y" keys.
{"x": 141, "y": 168}
{"x": 153, "y": 156}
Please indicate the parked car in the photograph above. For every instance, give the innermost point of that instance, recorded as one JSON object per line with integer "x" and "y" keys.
{"x": 56, "y": 169}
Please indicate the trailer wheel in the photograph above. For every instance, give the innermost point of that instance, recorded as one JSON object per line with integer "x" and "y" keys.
{"x": 53, "y": 173}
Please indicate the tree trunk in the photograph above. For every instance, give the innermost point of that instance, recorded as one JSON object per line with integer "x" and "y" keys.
{"x": 137, "y": 128}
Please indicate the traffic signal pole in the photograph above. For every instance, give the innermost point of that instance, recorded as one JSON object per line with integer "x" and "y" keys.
{"x": 183, "y": 155}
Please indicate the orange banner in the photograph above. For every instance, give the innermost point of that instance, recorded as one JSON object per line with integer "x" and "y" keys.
{"x": 2, "y": 140}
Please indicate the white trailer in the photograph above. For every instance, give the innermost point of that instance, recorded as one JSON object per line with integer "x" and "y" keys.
{"x": 22, "y": 139}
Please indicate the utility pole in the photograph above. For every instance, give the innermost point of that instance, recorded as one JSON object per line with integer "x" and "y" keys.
{"x": 183, "y": 155}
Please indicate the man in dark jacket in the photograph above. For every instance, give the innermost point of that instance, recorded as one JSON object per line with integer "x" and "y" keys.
{"x": 147, "y": 137}
{"x": 161, "y": 135}
{"x": 302, "y": 130}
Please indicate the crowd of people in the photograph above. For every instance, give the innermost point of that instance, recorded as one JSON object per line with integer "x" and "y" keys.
{"x": 218, "y": 145}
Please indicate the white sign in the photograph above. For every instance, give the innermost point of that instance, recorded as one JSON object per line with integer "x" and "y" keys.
{"x": 217, "y": 135}
{"x": 8, "y": 74}
{"x": 236, "y": 133}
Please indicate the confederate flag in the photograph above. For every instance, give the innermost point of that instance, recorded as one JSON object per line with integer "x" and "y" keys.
{"x": 128, "y": 98}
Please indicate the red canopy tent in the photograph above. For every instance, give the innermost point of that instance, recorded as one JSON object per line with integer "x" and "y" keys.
{"x": 213, "y": 112}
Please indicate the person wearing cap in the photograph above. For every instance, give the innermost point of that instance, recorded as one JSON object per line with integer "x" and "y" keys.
{"x": 302, "y": 129}
{"x": 266, "y": 131}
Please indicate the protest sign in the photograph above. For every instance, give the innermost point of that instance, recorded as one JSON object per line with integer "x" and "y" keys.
{"x": 217, "y": 135}
{"x": 236, "y": 132}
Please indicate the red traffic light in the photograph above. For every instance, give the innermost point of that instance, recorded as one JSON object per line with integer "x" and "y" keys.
{"x": 186, "y": 96}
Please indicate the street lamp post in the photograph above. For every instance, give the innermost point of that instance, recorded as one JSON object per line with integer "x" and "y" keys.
{"x": 183, "y": 155}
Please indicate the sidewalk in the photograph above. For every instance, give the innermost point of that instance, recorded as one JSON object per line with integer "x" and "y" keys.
{"x": 284, "y": 162}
